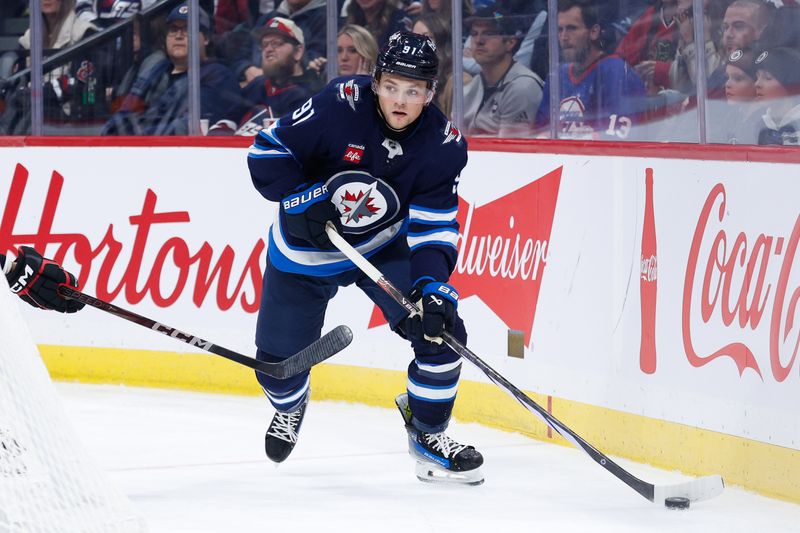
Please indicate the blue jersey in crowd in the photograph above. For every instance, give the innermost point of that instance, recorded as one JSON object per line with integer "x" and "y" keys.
{"x": 385, "y": 186}
{"x": 605, "y": 101}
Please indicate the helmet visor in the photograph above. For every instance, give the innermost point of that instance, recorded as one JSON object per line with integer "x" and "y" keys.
{"x": 412, "y": 93}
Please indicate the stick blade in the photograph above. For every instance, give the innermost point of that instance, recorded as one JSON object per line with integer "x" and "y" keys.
{"x": 697, "y": 490}
{"x": 323, "y": 348}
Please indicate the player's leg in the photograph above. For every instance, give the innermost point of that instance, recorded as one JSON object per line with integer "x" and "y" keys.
{"x": 432, "y": 384}
{"x": 290, "y": 317}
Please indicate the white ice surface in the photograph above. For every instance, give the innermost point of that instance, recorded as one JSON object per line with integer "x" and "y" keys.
{"x": 194, "y": 463}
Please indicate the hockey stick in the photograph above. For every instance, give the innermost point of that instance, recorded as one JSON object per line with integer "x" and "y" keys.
{"x": 695, "y": 490}
{"x": 328, "y": 345}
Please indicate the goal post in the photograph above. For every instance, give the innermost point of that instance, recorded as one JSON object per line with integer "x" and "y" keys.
{"x": 48, "y": 482}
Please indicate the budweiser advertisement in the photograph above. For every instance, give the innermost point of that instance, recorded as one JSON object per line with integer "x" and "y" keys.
{"x": 665, "y": 288}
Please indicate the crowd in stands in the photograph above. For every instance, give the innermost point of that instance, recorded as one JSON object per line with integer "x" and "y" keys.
{"x": 628, "y": 69}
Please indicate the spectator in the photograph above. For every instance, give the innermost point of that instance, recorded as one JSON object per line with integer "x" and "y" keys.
{"x": 431, "y": 25}
{"x": 310, "y": 16}
{"x": 738, "y": 119}
{"x": 531, "y": 20}
{"x": 743, "y": 23}
{"x": 284, "y": 85}
{"x": 62, "y": 28}
{"x": 778, "y": 86}
{"x": 104, "y": 13}
{"x": 356, "y": 51}
{"x": 381, "y": 18}
{"x": 230, "y": 13}
{"x": 158, "y": 101}
{"x": 65, "y": 85}
{"x": 651, "y": 43}
{"x": 600, "y": 93}
{"x": 443, "y": 9}
{"x": 503, "y": 99}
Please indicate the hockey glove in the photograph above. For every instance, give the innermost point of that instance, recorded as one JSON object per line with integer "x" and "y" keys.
{"x": 308, "y": 208}
{"x": 36, "y": 280}
{"x": 438, "y": 302}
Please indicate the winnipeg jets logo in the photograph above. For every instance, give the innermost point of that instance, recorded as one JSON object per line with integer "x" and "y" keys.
{"x": 451, "y": 133}
{"x": 354, "y": 207}
{"x": 393, "y": 147}
{"x": 364, "y": 202}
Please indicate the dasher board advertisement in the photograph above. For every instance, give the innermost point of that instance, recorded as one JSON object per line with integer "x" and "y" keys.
{"x": 659, "y": 287}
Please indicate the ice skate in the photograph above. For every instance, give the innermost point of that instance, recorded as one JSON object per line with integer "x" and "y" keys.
{"x": 282, "y": 433}
{"x": 439, "y": 458}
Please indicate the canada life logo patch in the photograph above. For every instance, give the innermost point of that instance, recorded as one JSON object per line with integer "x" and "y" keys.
{"x": 364, "y": 201}
{"x": 354, "y": 153}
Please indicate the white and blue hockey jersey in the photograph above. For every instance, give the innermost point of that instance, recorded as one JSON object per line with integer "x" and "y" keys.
{"x": 603, "y": 102}
{"x": 384, "y": 188}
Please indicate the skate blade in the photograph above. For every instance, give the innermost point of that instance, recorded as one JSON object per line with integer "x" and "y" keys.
{"x": 429, "y": 473}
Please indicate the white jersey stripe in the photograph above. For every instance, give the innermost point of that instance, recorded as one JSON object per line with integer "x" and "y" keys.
{"x": 438, "y": 394}
{"x": 284, "y": 400}
{"x": 439, "y": 369}
{"x": 441, "y": 237}
{"x": 313, "y": 257}
{"x": 421, "y": 216}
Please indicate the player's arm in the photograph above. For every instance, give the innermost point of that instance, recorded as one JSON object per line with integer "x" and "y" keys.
{"x": 432, "y": 238}
{"x": 36, "y": 280}
{"x": 280, "y": 153}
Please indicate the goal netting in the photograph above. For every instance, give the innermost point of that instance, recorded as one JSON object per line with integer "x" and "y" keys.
{"x": 48, "y": 483}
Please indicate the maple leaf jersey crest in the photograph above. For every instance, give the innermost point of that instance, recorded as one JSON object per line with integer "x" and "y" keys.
{"x": 364, "y": 202}
{"x": 349, "y": 92}
{"x": 451, "y": 133}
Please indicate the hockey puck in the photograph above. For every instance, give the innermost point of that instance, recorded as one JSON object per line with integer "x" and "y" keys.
{"x": 676, "y": 502}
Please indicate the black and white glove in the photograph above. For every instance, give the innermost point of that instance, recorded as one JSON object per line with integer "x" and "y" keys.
{"x": 438, "y": 302}
{"x": 36, "y": 280}
{"x": 308, "y": 209}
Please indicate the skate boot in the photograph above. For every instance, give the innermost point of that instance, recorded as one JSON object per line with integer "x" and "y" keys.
{"x": 439, "y": 458}
{"x": 282, "y": 433}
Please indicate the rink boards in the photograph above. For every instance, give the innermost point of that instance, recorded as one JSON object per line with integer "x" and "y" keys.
{"x": 553, "y": 246}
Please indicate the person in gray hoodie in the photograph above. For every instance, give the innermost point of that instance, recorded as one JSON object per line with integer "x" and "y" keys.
{"x": 502, "y": 100}
{"x": 778, "y": 86}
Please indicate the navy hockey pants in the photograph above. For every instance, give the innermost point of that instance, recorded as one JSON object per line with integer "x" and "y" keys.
{"x": 291, "y": 317}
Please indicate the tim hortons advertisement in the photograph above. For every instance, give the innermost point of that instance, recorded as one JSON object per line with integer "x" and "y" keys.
{"x": 665, "y": 288}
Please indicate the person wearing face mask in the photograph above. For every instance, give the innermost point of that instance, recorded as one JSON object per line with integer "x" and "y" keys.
{"x": 372, "y": 157}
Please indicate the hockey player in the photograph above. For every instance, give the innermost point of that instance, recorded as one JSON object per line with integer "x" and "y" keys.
{"x": 36, "y": 280}
{"x": 370, "y": 155}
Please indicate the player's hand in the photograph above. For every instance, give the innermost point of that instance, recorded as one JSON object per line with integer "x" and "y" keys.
{"x": 438, "y": 302}
{"x": 308, "y": 208}
{"x": 36, "y": 280}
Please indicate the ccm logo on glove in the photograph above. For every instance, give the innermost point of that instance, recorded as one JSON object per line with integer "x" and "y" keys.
{"x": 23, "y": 280}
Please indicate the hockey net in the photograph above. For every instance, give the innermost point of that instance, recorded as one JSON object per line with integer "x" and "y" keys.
{"x": 48, "y": 483}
